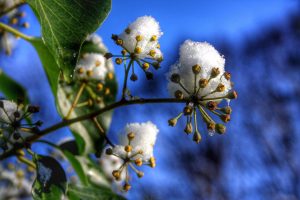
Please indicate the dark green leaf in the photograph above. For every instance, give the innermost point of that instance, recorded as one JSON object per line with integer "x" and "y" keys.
{"x": 65, "y": 26}
{"x": 51, "y": 179}
{"x": 91, "y": 193}
{"x": 11, "y": 89}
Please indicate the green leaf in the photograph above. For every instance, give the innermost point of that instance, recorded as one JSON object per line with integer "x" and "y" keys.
{"x": 11, "y": 89}
{"x": 48, "y": 62}
{"x": 65, "y": 26}
{"x": 51, "y": 179}
{"x": 91, "y": 193}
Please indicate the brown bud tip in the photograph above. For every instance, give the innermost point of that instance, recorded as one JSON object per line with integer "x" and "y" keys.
{"x": 116, "y": 174}
{"x": 139, "y": 162}
{"x": 127, "y": 30}
{"x": 138, "y": 38}
{"x": 128, "y": 148}
{"x": 152, "y": 162}
{"x": 130, "y": 136}
{"x": 203, "y": 83}
{"x": 227, "y": 76}
{"x": 220, "y": 87}
{"x": 196, "y": 69}
{"x": 156, "y": 65}
{"x": 232, "y": 95}
{"x": 126, "y": 187}
{"x": 123, "y": 52}
{"x": 212, "y": 105}
{"x": 225, "y": 118}
{"x": 118, "y": 61}
{"x": 140, "y": 174}
{"x": 133, "y": 77}
{"x": 211, "y": 126}
{"x": 220, "y": 128}
{"x": 153, "y": 38}
{"x": 33, "y": 109}
{"x": 119, "y": 42}
{"x": 188, "y": 110}
{"x": 145, "y": 66}
{"x": 108, "y": 55}
{"x": 188, "y": 128}
{"x": 214, "y": 72}
{"x": 172, "y": 122}
{"x": 114, "y": 37}
{"x": 227, "y": 110}
{"x": 109, "y": 151}
{"x": 178, "y": 94}
{"x": 175, "y": 78}
{"x": 25, "y": 25}
{"x": 137, "y": 50}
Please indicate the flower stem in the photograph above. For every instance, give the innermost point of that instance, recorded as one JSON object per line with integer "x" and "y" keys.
{"x": 102, "y": 132}
{"x": 26, "y": 161}
{"x": 76, "y": 100}
{"x": 15, "y": 32}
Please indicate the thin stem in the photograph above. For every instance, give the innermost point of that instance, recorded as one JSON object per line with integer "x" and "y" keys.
{"x": 7, "y": 10}
{"x": 102, "y": 132}
{"x": 26, "y": 161}
{"x": 125, "y": 79}
{"x": 76, "y": 100}
{"x": 182, "y": 86}
{"x": 91, "y": 115}
{"x": 15, "y": 32}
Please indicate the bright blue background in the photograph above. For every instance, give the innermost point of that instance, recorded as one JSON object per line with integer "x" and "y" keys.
{"x": 218, "y": 22}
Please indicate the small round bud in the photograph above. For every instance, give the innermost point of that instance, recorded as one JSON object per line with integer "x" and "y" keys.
{"x": 128, "y": 148}
{"x": 133, "y": 77}
{"x": 197, "y": 137}
{"x": 109, "y": 151}
{"x": 158, "y": 46}
{"x": 99, "y": 86}
{"x": 156, "y": 65}
{"x": 214, "y": 72}
{"x": 108, "y": 55}
{"x": 126, "y": 187}
{"x": 211, "y": 126}
{"x": 145, "y": 66}
{"x": 196, "y": 69}
{"x": 130, "y": 136}
{"x": 118, "y": 61}
{"x": 140, "y": 174}
{"x": 220, "y": 128}
{"x": 17, "y": 114}
{"x": 97, "y": 63}
{"x": 89, "y": 73}
{"x": 152, "y": 53}
{"x": 220, "y": 88}
{"x": 25, "y": 25}
{"x": 232, "y": 95}
{"x": 107, "y": 91}
{"x": 139, "y": 162}
{"x": 227, "y": 75}
{"x": 116, "y": 174}
{"x": 188, "y": 110}
{"x": 211, "y": 105}
{"x": 160, "y": 59}
{"x": 172, "y": 122}
{"x": 114, "y": 37}
{"x": 178, "y": 94}
{"x": 138, "y": 38}
{"x": 110, "y": 75}
{"x": 14, "y": 21}
{"x": 188, "y": 128}
{"x": 119, "y": 42}
{"x": 80, "y": 70}
{"x": 226, "y": 110}
{"x": 152, "y": 162}
{"x": 127, "y": 30}
{"x": 137, "y": 50}
{"x": 153, "y": 38}
{"x": 123, "y": 52}
{"x": 225, "y": 118}
{"x": 20, "y": 174}
{"x": 149, "y": 75}
{"x": 203, "y": 83}
{"x": 175, "y": 78}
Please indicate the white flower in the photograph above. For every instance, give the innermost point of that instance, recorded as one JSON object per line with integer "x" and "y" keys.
{"x": 142, "y": 34}
{"x": 110, "y": 163}
{"x": 7, "y": 111}
{"x": 208, "y": 58}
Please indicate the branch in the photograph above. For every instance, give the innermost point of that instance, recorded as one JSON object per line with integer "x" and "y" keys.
{"x": 15, "y": 32}
{"x": 91, "y": 115}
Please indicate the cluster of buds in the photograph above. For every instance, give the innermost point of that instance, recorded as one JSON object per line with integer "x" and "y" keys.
{"x": 94, "y": 76}
{"x": 136, "y": 150}
{"x": 139, "y": 43}
{"x": 199, "y": 78}
{"x": 14, "y": 18}
{"x": 15, "y": 124}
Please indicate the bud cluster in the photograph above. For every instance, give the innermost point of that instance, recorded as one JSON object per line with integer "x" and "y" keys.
{"x": 200, "y": 78}
{"x": 13, "y": 129}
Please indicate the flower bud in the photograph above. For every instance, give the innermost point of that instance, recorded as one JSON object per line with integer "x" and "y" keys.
{"x": 145, "y": 66}
{"x": 99, "y": 86}
{"x": 172, "y": 122}
{"x": 214, "y": 72}
{"x": 116, "y": 174}
{"x": 128, "y": 148}
{"x": 203, "y": 83}
{"x": 152, "y": 162}
{"x": 227, "y": 75}
{"x": 118, "y": 61}
{"x": 108, "y": 55}
{"x": 133, "y": 77}
{"x": 114, "y": 37}
{"x": 109, "y": 151}
{"x": 17, "y": 114}
{"x": 232, "y": 95}
{"x": 220, "y": 88}
{"x": 197, "y": 137}
{"x": 119, "y": 42}
{"x": 33, "y": 109}
{"x": 211, "y": 126}
{"x": 226, "y": 110}
{"x": 130, "y": 136}
{"x": 139, "y": 162}
{"x": 140, "y": 174}
{"x": 212, "y": 105}
{"x": 126, "y": 187}
{"x": 153, "y": 38}
{"x": 178, "y": 94}
{"x": 149, "y": 75}
{"x": 137, "y": 50}
{"x": 152, "y": 52}
{"x": 188, "y": 110}
{"x": 156, "y": 65}
{"x": 220, "y": 128}
{"x": 196, "y": 69}
{"x": 138, "y": 38}
{"x": 123, "y": 52}
{"x": 127, "y": 30}
{"x": 225, "y": 118}
{"x": 188, "y": 128}
{"x": 175, "y": 78}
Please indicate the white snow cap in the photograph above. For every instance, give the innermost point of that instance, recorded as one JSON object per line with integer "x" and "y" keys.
{"x": 203, "y": 54}
{"x": 7, "y": 112}
{"x": 148, "y": 28}
{"x": 145, "y": 138}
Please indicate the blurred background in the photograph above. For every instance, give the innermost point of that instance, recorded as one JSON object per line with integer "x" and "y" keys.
{"x": 258, "y": 156}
